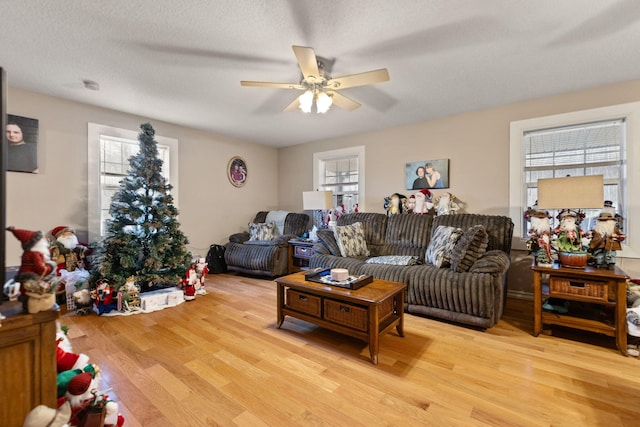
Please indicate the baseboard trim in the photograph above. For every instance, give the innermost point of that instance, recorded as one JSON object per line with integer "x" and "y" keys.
{"x": 520, "y": 295}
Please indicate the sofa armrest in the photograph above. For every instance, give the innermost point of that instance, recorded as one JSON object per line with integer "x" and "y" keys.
{"x": 283, "y": 240}
{"x": 321, "y": 248}
{"x": 493, "y": 262}
{"x": 239, "y": 237}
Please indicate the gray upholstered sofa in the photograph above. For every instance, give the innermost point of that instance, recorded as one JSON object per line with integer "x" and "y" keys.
{"x": 475, "y": 297}
{"x": 264, "y": 257}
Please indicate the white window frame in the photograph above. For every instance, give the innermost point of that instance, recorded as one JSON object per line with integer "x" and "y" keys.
{"x": 94, "y": 133}
{"x": 517, "y": 196}
{"x": 321, "y": 157}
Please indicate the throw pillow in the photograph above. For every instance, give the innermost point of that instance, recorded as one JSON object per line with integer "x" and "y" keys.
{"x": 350, "y": 239}
{"x": 443, "y": 240}
{"x": 470, "y": 247}
{"x": 395, "y": 260}
{"x": 329, "y": 240}
{"x": 261, "y": 231}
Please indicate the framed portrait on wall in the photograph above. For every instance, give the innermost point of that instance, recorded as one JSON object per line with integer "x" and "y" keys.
{"x": 237, "y": 171}
{"x": 22, "y": 144}
{"x": 427, "y": 174}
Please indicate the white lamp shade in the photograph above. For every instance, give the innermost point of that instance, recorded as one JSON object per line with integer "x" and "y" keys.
{"x": 317, "y": 200}
{"x": 571, "y": 192}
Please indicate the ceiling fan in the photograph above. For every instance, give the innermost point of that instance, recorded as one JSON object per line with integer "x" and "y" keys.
{"x": 319, "y": 87}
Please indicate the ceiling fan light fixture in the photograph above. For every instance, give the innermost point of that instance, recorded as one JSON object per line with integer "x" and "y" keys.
{"x": 323, "y": 102}
{"x": 306, "y": 101}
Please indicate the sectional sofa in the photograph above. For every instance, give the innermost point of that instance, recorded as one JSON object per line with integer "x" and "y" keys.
{"x": 471, "y": 291}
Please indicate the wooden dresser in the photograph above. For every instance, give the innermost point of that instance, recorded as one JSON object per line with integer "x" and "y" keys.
{"x": 27, "y": 362}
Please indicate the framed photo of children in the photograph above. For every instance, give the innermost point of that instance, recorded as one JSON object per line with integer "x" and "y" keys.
{"x": 237, "y": 171}
{"x": 22, "y": 144}
{"x": 427, "y": 174}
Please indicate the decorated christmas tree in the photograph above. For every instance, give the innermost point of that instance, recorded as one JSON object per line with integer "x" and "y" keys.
{"x": 143, "y": 237}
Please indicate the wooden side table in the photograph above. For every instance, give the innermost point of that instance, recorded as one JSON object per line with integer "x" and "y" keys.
{"x": 300, "y": 251}
{"x": 588, "y": 285}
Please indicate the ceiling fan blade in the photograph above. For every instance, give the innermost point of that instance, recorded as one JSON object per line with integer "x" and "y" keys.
{"x": 295, "y": 104}
{"x": 308, "y": 63}
{"x": 343, "y": 102}
{"x": 360, "y": 79}
{"x": 271, "y": 84}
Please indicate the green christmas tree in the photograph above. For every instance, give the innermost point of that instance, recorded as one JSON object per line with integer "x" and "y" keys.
{"x": 143, "y": 237}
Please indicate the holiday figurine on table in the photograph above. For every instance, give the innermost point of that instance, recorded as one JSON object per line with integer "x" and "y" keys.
{"x": 539, "y": 243}
{"x": 570, "y": 237}
{"x": 36, "y": 271}
{"x": 190, "y": 282}
{"x": 605, "y": 241}
{"x": 202, "y": 269}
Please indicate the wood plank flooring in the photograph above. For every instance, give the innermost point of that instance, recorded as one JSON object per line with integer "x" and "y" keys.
{"x": 220, "y": 360}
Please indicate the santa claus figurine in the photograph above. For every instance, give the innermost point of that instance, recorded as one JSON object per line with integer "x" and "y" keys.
{"x": 570, "y": 235}
{"x": 202, "y": 269}
{"x": 190, "y": 283}
{"x": 66, "y": 251}
{"x": 422, "y": 202}
{"x": 605, "y": 241}
{"x": 36, "y": 268}
{"x": 539, "y": 243}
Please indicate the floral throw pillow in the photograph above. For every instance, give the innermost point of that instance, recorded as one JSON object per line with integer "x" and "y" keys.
{"x": 442, "y": 242}
{"x": 350, "y": 239}
{"x": 261, "y": 231}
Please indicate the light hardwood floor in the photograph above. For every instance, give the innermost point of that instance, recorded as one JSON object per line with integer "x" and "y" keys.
{"x": 220, "y": 360}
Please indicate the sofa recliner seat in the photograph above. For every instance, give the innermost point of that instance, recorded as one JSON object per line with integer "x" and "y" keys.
{"x": 475, "y": 297}
{"x": 264, "y": 257}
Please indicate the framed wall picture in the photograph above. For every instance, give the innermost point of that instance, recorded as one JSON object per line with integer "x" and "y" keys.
{"x": 22, "y": 144}
{"x": 427, "y": 174}
{"x": 237, "y": 171}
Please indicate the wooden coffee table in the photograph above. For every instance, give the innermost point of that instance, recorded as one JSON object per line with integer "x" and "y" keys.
{"x": 365, "y": 313}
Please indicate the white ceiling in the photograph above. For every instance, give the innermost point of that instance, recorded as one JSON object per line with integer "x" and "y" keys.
{"x": 182, "y": 62}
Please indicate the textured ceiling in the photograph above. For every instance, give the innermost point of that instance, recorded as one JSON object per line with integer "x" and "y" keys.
{"x": 182, "y": 62}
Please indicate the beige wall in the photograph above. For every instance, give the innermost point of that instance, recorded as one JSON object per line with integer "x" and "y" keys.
{"x": 477, "y": 143}
{"x": 210, "y": 207}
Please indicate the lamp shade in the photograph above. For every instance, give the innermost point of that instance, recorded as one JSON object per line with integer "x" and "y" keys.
{"x": 313, "y": 200}
{"x": 571, "y": 192}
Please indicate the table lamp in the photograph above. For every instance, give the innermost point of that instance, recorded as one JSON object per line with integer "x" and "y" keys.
{"x": 318, "y": 202}
{"x": 571, "y": 193}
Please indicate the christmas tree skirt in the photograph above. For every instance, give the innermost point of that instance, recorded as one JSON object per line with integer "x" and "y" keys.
{"x": 153, "y": 301}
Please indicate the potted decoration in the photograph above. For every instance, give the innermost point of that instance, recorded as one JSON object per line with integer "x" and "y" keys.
{"x": 570, "y": 241}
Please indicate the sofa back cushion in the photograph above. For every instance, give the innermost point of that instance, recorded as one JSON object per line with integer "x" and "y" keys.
{"x": 499, "y": 228}
{"x": 374, "y": 225}
{"x": 408, "y": 234}
{"x": 469, "y": 248}
{"x": 295, "y": 223}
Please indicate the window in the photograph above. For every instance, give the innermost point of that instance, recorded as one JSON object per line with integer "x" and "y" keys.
{"x": 109, "y": 153}
{"x": 341, "y": 171}
{"x": 578, "y": 150}
{"x": 114, "y": 165}
{"x": 591, "y": 142}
